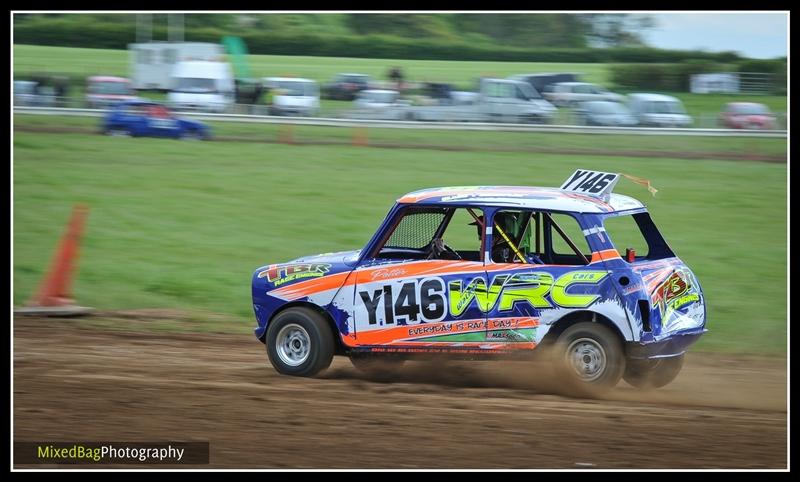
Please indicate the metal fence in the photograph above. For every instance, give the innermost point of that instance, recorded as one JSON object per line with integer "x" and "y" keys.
{"x": 564, "y": 117}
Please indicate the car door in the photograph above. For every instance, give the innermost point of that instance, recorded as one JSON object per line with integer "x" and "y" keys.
{"x": 415, "y": 294}
{"x": 545, "y": 267}
{"x": 160, "y": 122}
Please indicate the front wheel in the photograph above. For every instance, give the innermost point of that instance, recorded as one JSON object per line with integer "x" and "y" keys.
{"x": 650, "y": 374}
{"x": 300, "y": 342}
{"x": 118, "y": 132}
{"x": 589, "y": 359}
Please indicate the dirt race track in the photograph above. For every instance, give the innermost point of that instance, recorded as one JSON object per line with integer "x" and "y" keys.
{"x": 88, "y": 384}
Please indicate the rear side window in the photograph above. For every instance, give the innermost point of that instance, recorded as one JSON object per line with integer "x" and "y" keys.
{"x": 637, "y": 232}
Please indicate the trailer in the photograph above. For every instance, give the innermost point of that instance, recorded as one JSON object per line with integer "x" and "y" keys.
{"x": 152, "y": 63}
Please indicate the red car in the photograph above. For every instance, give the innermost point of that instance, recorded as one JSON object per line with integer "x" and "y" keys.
{"x": 103, "y": 92}
{"x": 747, "y": 115}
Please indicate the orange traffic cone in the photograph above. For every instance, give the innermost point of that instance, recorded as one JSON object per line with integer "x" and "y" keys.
{"x": 360, "y": 136}
{"x": 55, "y": 292}
{"x": 286, "y": 134}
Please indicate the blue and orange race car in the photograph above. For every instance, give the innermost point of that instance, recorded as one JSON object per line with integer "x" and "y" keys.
{"x": 490, "y": 271}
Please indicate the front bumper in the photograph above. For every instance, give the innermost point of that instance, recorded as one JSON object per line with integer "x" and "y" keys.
{"x": 673, "y": 345}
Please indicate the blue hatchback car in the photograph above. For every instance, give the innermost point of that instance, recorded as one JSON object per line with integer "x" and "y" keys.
{"x": 151, "y": 119}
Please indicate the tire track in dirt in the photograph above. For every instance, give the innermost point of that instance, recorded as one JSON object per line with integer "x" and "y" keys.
{"x": 74, "y": 383}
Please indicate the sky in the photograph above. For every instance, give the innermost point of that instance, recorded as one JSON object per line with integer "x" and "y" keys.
{"x": 753, "y": 34}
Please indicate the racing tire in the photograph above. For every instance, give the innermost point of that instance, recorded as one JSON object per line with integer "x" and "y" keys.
{"x": 376, "y": 366}
{"x": 652, "y": 374}
{"x": 193, "y": 136}
{"x": 118, "y": 132}
{"x": 300, "y": 342}
{"x": 589, "y": 359}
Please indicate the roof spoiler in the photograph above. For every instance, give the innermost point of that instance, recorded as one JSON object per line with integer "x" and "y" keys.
{"x": 592, "y": 183}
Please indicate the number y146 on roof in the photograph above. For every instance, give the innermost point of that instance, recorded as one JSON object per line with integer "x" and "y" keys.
{"x": 593, "y": 183}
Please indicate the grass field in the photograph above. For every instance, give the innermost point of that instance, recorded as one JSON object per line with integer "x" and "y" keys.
{"x": 86, "y": 62}
{"x": 82, "y": 63}
{"x": 183, "y": 225}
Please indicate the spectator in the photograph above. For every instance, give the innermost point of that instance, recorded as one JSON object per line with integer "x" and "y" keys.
{"x": 396, "y": 76}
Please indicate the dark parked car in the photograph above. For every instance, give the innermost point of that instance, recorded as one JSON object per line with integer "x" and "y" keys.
{"x": 346, "y": 86}
{"x": 150, "y": 119}
{"x": 747, "y": 115}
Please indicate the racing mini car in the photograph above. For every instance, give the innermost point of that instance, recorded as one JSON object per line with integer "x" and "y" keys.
{"x": 140, "y": 118}
{"x": 494, "y": 271}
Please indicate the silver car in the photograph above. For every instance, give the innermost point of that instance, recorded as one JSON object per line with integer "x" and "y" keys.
{"x": 604, "y": 113}
{"x": 572, "y": 93}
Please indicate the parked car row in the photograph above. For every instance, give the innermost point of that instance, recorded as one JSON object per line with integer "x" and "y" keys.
{"x": 527, "y": 98}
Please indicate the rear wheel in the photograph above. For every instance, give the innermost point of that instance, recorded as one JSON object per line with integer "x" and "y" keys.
{"x": 655, "y": 373}
{"x": 300, "y": 342}
{"x": 588, "y": 359}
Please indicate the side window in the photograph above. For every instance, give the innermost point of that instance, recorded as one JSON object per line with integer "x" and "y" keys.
{"x": 514, "y": 237}
{"x": 521, "y": 94}
{"x": 637, "y": 232}
{"x": 464, "y": 234}
{"x": 625, "y": 233}
{"x": 568, "y": 244}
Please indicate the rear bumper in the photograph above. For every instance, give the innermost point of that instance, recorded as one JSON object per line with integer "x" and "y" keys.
{"x": 673, "y": 345}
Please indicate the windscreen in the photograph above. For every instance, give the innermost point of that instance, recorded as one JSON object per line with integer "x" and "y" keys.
{"x": 297, "y": 89}
{"x": 195, "y": 85}
{"x": 416, "y": 229}
{"x": 111, "y": 88}
{"x": 750, "y": 109}
{"x": 383, "y": 97}
{"x": 607, "y": 108}
{"x": 665, "y": 107}
{"x": 529, "y": 91}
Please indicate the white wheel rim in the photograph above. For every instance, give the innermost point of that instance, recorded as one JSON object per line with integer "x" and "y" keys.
{"x": 293, "y": 344}
{"x": 587, "y": 358}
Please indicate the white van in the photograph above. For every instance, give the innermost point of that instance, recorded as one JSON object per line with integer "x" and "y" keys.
{"x": 293, "y": 97}
{"x": 656, "y": 110}
{"x": 202, "y": 85}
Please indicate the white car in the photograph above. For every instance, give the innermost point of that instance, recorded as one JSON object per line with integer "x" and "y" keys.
{"x": 573, "y": 93}
{"x": 656, "y": 110}
{"x": 293, "y": 96}
{"x": 380, "y": 104}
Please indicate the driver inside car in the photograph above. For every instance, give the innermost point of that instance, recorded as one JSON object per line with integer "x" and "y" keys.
{"x": 506, "y": 238}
